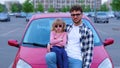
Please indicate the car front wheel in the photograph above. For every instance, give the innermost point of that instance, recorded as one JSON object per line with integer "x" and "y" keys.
{"x": 107, "y": 21}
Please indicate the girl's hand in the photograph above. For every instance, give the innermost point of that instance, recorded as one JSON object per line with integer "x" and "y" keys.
{"x": 48, "y": 47}
{"x": 61, "y": 39}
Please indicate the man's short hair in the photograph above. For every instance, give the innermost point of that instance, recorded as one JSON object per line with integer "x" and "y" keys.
{"x": 76, "y": 8}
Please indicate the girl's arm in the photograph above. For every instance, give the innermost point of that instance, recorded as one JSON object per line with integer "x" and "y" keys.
{"x": 63, "y": 40}
{"x": 54, "y": 41}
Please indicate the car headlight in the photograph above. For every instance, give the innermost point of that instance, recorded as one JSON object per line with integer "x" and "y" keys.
{"x": 105, "y": 64}
{"x": 22, "y": 64}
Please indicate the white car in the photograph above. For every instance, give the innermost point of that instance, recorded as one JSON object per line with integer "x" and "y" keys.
{"x": 101, "y": 17}
{"x": 111, "y": 15}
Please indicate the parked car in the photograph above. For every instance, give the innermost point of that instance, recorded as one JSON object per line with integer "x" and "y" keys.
{"x": 86, "y": 13}
{"x": 23, "y": 14}
{"x": 4, "y": 17}
{"x": 101, "y": 17}
{"x": 32, "y": 48}
{"x": 110, "y": 14}
{"x": 10, "y": 13}
{"x": 118, "y": 15}
{"x": 17, "y": 14}
{"x": 29, "y": 16}
{"x": 91, "y": 14}
{"x": 20, "y": 14}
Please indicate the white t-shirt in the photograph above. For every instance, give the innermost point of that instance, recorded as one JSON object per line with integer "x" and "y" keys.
{"x": 73, "y": 47}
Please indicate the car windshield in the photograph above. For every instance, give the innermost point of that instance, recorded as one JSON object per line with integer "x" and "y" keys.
{"x": 101, "y": 14}
{"x": 38, "y": 33}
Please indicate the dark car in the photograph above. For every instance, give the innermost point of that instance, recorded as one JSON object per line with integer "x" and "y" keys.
{"x": 33, "y": 46}
{"x": 101, "y": 17}
{"x": 4, "y": 17}
{"x": 20, "y": 14}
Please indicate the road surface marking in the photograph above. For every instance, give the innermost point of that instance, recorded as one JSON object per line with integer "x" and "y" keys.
{"x": 4, "y": 34}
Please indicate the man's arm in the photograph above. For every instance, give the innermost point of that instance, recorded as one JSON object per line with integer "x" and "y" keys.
{"x": 88, "y": 50}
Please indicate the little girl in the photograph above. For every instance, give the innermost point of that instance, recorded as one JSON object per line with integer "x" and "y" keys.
{"x": 58, "y": 38}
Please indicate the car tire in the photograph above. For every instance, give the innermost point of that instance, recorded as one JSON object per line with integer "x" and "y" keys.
{"x": 107, "y": 21}
{"x": 94, "y": 21}
{"x": 97, "y": 21}
{"x": 8, "y": 20}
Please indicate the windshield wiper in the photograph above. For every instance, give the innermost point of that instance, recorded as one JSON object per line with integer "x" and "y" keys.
{"x": 36, "y": 44}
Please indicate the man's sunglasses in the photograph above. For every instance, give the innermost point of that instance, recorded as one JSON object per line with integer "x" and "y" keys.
{"x": 58, "y": 26}
{"x": 76, "y": 14}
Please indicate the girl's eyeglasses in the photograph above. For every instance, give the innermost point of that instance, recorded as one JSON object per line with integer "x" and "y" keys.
{"x": 56, "y": 26}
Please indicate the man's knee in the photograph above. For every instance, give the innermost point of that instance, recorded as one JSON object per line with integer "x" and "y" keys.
{"x": 50, "y": 57}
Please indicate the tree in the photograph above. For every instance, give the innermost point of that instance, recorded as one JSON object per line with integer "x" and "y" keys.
{"x": 81, "y": 1}
{"x": 27, "y": 6}
{"x": 115, "y": 5}
{"x": 51, "y": 9}
{"x": 83, "y": 7}
{"x": 87, "y": 8}
{"x": 16, "y": 7}
{"x": 40, "y": 7}
{"x": 68, "y": 8}
{"x": 1, "y": 8}
{"x": 64, "y": 9}
{"x": 104, "y": 7}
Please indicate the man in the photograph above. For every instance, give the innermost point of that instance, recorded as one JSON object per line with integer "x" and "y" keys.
{"x": 80, "y": 44}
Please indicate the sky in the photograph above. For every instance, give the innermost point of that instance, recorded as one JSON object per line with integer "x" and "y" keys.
{"x": 2, "y": 1}
{"x": 21, "y": 1}
{"x": 104, "y": 1}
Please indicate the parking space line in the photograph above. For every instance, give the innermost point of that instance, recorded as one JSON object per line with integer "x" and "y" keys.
{"x": 4, "y": 34}
{"x": 117, "y": 67}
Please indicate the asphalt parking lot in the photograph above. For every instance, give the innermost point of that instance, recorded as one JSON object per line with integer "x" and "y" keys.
{"x": 15, "y": 28}
{"x": 111, "y": 30}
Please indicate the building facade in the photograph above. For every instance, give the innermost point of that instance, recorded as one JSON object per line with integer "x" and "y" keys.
{"x": 58, "y": 4}
{"x": 9, "y": 3}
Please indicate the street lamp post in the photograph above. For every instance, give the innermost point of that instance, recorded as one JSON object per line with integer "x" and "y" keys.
{"x": 95, "y": 8}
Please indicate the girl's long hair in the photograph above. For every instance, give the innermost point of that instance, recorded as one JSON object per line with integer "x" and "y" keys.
{"x": 59, "y": 21}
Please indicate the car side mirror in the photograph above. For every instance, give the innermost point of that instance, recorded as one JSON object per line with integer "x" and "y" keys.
{"x": 108, "y": 41}
{"x": 13, "y": 43}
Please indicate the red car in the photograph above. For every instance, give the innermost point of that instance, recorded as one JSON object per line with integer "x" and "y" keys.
{"x": 32, "y": 48}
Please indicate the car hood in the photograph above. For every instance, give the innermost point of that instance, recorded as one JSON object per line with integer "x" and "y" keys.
{"x": 100, "y": 55}
{"x": 33, "y": 56}
{"x": 36, "y": 56}
{"x": 3, "y": 16}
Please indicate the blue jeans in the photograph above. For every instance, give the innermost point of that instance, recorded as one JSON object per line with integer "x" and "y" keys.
{"x": 62, "y": 59}
{"x": 51, "y": 61}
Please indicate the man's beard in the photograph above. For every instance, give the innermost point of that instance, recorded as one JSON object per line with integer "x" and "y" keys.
{"x": 77, "y": 22}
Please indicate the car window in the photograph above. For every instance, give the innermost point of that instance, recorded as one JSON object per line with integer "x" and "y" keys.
{"x": 38, "y": 32}
{"x": 96, "y": 37}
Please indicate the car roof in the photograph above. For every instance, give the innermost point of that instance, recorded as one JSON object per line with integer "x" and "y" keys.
{"x": 49, "y": 15}
{"x": 53, "y": 15}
